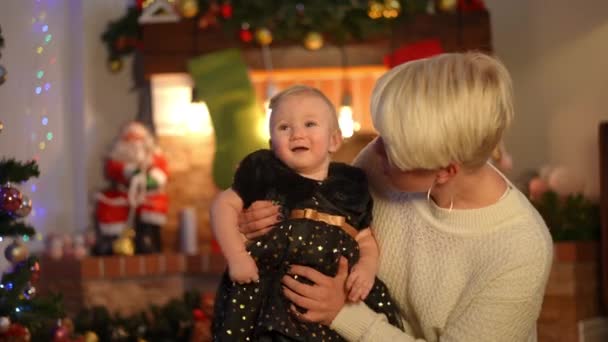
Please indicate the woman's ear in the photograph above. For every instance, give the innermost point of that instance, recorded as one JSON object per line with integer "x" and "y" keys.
{"x": 335, "y": 141}
{"x": 447, "y": 173}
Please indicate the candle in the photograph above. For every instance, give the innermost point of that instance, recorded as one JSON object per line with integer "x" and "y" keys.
{"x": 188, "y": 231}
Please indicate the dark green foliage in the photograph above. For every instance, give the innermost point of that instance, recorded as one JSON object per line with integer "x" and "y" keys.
{"x": 17, "y": 172}
{"x": 126, "y": 27}
{"x": 573, "y": 218}
{"x": 10, "y": 227}
{"x": 172, "y": 322}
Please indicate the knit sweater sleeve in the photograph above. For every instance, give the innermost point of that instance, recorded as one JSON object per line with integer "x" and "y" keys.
{"x": 505, "y": 310}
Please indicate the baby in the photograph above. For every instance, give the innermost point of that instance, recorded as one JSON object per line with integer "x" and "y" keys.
{"x": 327, "y": 208}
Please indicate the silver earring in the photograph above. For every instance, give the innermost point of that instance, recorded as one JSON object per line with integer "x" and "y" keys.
{"x": 428, "y": 198}
{"x": 428, "y": 193}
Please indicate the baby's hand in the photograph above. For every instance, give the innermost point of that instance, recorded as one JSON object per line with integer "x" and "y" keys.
{"x": 360, "y": 282}
{"x": 242, "y": 269}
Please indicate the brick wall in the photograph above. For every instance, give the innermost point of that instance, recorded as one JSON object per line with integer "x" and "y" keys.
{"x": 572, "y": 293}
{"x": 129, "y": 284}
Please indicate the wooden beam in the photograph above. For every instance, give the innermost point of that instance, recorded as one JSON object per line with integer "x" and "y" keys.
{"x": 603, "y": 157}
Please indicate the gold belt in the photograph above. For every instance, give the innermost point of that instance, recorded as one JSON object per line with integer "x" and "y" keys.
{"x": 334, "y": 220}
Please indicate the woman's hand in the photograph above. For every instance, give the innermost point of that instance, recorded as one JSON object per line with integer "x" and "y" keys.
{"x": 323, "y": 300}
{"x": 258, "y": 219}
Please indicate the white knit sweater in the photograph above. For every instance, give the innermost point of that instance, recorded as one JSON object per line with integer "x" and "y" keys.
{"x": 464, "y": 275}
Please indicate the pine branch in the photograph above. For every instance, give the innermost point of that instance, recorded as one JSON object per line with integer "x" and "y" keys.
{"x": 12, "y": 170}
{"x": 10, "y": 227}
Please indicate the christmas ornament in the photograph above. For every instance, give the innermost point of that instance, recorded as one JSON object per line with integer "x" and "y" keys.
{"x": 447, "y": 5}
{"x": 313, "y": 40}
{"x": 375, "y": 9}
{"x": 68, "y": 324}
{"x": 35, "y": 272}
{"x": 199, "y": 315}
{"x": 188, "y": 8}
{"x": 210, "y": 17}
{"x": 25, "y": 208}
{"x": 119, "y": 333}
{"x": 61, "y": 334}
{"x": 245, "y": 33}
{"x": 226, "y": 10}
{"x": 5, "y": 324}
{"x": 471, "y": 5}
{"x": 391, "y": 9}
{"x": 29, "y": 292}
{"x": 120, "y": 44}
{"x": 10, "y": 198}
{"x": 124, "y": 245}
{"x": 3, "y": 74}
{"x": 90, "y": 336}
{"x": 16, "y": 252}
{"x": 18, "y": 333}
{"x": 263, "y": 36}
{"x": 115, "y": 65}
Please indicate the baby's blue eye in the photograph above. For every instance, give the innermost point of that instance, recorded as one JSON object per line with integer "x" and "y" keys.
{"x": 283, "y": 127}
{"x": 311, "y": 124}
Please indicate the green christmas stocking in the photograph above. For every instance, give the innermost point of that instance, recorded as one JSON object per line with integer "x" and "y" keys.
{"x": 222, "y": 81}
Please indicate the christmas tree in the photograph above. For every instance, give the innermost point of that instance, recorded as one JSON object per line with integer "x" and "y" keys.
{"x": 22, "y": 313}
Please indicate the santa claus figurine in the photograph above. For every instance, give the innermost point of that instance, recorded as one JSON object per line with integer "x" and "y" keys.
{"x": 138, "y": 173}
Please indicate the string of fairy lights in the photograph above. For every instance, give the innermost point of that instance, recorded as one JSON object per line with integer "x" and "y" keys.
{"x": 45, "y": 60}
{"x": 41, "y": 134}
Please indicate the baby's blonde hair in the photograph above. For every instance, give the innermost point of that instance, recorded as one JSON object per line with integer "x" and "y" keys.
{"x": 298, "y": 90}
{"x": 453, "y": 107}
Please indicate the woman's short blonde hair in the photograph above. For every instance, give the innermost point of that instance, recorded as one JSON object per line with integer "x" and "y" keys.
{"x": 453, "y": 107}
{"x": 298, "y": 90}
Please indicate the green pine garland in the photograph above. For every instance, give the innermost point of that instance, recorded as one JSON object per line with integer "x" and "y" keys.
{"x": 339, "y": 21}
{"x": 171, "y": 322}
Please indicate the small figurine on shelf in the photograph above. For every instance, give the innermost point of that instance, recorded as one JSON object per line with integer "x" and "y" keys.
{"x": 136, "y": 198}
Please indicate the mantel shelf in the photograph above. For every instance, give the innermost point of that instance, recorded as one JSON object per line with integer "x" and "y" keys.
{"x": 168, "y": 46}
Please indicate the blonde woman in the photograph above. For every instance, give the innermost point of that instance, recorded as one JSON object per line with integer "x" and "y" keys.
{"x": 462, "y": 251}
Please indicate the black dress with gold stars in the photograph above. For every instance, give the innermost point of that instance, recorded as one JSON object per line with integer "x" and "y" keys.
{"x": 259, "y": 311}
